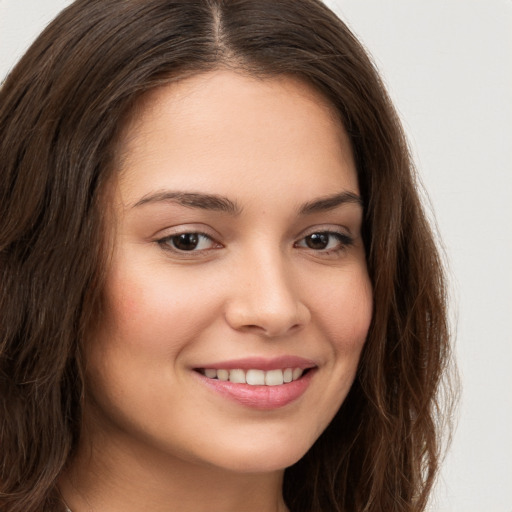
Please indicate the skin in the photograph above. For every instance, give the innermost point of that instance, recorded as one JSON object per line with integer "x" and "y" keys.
{"x": 155, "y": 437}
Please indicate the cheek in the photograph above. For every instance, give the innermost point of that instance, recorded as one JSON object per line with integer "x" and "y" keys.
{"x": 346, "y": 311}
{"x": 147, "y": 309}
{"x": 343, "y": 307}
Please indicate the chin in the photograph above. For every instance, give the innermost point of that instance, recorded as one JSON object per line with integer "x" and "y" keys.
{"x": 262, "y": 458}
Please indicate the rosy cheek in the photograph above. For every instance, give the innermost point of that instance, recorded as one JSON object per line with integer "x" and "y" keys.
{"x": 154, "y": 310}
{"x": 349, "y": 315}
{"x": 125, "y": 306}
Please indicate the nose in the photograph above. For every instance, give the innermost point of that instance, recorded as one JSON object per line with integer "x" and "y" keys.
{"x": 265, "y": 299}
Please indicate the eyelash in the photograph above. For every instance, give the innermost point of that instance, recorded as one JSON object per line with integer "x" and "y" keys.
{"x": 166, "y": 242}
{"x": 344, "y": 241}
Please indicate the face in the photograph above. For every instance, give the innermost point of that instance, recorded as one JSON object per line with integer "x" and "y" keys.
{"x": 238, "y": 298}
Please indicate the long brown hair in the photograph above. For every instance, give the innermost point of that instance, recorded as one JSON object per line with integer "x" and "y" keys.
{"x": 61, "y": 110}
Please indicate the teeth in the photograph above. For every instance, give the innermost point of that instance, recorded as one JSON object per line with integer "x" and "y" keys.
{"x": 255, "y": 377}
{"x": 297, "y": 373}
{"x": 211, "y": 374}
{"x": 274, "y": 378}
{"x": 237, "y": 376}
{"x": 222, "y": 374}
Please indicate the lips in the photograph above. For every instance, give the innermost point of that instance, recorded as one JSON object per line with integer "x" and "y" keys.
{"x": 259, "y": 383}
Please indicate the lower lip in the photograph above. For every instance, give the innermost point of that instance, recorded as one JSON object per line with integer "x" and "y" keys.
{"x": 260, "y": 397}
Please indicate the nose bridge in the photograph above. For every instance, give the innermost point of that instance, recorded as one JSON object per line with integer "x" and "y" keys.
{"x": 266, "y": 298}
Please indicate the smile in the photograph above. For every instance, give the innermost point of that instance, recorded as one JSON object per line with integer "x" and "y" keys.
{"x": 256, "y": 388}
{"x": 254, "y": 377}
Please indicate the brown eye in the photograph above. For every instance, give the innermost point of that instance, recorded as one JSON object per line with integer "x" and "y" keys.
{"x": 187, "y": 242}
{"x": 318, "y": 241}
{"x": 325, "y": 241}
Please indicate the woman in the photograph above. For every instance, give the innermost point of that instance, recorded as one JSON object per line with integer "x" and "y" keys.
{"x": 219, "y": 290}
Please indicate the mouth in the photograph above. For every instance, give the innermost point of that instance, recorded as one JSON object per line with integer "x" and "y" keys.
{"x": 258, "y": 383}
{"x": 255, "y": 376}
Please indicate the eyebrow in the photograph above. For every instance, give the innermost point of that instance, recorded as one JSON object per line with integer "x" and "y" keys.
{"x": 210, "y": 202}
{"x": 214, "y": 202}
{"x": 330, "y": 202}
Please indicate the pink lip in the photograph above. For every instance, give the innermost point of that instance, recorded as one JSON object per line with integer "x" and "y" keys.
{"x": 261, "y": 397}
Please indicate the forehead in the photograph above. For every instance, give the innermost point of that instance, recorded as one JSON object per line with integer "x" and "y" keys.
{"x": 224, "y": 125}
{"x": 238, "y": 85}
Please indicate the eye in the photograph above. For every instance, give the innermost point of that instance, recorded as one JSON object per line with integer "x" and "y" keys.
{"x": 325, "y": 241}
{"x": 187, "y": 242}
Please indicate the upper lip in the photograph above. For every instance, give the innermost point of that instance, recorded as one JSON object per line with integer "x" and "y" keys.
{"x": 261, "y": 363}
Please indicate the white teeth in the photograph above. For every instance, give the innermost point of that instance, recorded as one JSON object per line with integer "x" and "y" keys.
{"x": 297, "y": 373}
{"x": 222, "y": 374}
{"x": 255, "y": 377}
{"x": 237, "y": 376}
{"x": 288, "y": 375}
{"x": 274, "y": 378}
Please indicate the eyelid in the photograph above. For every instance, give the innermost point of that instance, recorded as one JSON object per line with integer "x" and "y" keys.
{"x": 327, "y": 228}
{"x": 200, "y": 229}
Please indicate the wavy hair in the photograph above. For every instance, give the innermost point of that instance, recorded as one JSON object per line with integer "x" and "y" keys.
{"x": 61, "y": 110}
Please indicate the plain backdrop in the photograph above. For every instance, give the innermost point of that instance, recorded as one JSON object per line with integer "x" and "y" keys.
{"x": 448, "y": 67}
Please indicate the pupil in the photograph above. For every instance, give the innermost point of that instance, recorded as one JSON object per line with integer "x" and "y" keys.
{"x": 186, "y": 241}
{"x": 317, "y": 241}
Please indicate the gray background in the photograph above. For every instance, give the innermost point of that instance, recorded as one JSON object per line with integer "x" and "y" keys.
{"x": 448, "y": 66}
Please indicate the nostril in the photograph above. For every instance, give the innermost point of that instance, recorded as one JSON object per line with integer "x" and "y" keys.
{"x": 270, "y": 315}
